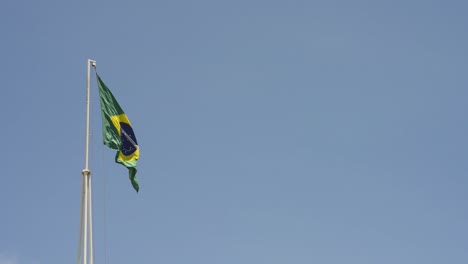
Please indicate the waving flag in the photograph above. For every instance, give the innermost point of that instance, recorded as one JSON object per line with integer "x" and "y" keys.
{"x": 118, "y": 132}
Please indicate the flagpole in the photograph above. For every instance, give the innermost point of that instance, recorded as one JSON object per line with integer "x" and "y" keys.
{"x": 90, "y": 62}
{"x": 90, "y": 215}
{"x": 86, "y": 204}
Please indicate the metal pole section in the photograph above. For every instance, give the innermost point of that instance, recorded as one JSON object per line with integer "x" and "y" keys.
{"x": 85, "y": 217}
{"x": 87, "y": 114}
{"x": 91, "y": 256}
{"x": 90, "y": 208}
{"x": 86, "y": 204}
{"x": 80, "y": 243}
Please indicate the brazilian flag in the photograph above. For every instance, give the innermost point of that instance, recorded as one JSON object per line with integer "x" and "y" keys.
{"x": 118, "y": 132}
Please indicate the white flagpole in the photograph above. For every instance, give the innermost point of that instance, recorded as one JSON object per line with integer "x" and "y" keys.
{"x": 90, "y": 215}
{"x": 80, "y": 243}
{"x": 86, "y": 204}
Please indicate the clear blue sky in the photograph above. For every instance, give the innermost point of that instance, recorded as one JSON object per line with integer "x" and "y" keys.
{"x": 271, "y": 132}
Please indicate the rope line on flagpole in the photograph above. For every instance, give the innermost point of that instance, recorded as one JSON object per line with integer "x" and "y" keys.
{"x": 105, "y": 196}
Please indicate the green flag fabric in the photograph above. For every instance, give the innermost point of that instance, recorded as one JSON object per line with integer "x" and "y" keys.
{"x": 118, "y": 132}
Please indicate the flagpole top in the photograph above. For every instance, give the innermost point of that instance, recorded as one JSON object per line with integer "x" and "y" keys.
{"x": 92, "y": 62}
